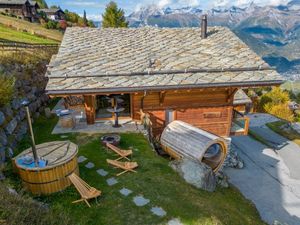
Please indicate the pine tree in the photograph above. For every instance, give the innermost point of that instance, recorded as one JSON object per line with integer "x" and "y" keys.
{"x": 85, "y": 21}
{"x": 113, "y": 16}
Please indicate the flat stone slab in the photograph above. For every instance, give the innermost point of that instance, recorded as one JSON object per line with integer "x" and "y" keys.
{"x": 102, "y": 172}
{"x": 140, "y": 200}
{"x": 125, "y": 191}
{"x": 158, "y": 211}
{"x": 112, "y": 181}
{"x": 89, "y": 165}
{"x": 174, "y": 222}
{"x": 63, "y": 136}
{"x": 81, "y": 159}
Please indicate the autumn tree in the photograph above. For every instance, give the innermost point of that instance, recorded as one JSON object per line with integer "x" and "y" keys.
{"x": 276, "y": 102}
{"x": 113, "y": 16}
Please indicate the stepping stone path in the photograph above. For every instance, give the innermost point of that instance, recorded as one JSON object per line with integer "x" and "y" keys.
{"x": 174, "y": 222}
{"x": 102, "y": 172}
{"x": 81, "y": 159}
{"x": 125, "y": 191}
{"x": 111, "y": 181}
{"x": 158, "y": 211}
{"x": 90, "y": 165}
{"x": 140, "y": 201}
{"x": 63, "y": 136}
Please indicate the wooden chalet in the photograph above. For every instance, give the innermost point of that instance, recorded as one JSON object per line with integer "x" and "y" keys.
{"x": 186, "y": 74}
{"x": 23, "y": 9}
{"x": 54, "y": 13}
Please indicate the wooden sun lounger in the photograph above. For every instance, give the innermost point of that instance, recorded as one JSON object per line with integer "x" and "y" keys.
{"x": 122, "y": 153}
{"x": 126, "y": 166}
{"x": 86, "y": 191}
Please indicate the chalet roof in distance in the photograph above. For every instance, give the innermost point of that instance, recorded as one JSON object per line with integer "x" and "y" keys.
{"x": 92, "y": 60}
{"x": 13, "y": 2}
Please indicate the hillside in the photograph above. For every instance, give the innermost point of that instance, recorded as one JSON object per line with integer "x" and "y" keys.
{"x": 31, "y": 28}
{"x": 9, "y": 34}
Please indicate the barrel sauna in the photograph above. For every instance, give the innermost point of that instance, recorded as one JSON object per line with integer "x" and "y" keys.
{"x": 180, "y": 139}
{"x": 61, "y": 158}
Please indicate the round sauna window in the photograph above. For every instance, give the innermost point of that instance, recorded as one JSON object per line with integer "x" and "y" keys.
{"x": 213, "y": 156}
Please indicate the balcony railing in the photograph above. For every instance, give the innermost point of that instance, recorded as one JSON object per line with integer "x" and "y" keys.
{"x": 240, "y": 124}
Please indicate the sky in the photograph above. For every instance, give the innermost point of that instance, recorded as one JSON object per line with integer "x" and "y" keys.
{"x": 95, "y": 8}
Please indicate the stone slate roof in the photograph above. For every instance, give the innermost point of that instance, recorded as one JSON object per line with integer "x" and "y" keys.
{"x": 51, "y": 10}
{"x": 13, "y": 2}
{"x": 240, "y": 98}
{"x": 109, "y": 60}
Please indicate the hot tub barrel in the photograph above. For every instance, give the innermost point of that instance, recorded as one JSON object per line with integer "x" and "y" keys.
{"x": 62, "y": 161}
{"x": 180, "y": 139}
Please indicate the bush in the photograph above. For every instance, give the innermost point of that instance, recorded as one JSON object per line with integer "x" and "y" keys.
{"x": 7, "y": 84}
{"x": 276, "y": 102}
{"x": 274, "y": 97}
{"x": 51, "y": 24}
{"x": 281, "y": 110}
{"x": 18, "y": 209}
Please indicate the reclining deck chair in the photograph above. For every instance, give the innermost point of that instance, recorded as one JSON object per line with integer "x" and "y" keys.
{"x": 126, "y": 166}
{"x": 122, "y": 153}
{"x": 86, "y": 191}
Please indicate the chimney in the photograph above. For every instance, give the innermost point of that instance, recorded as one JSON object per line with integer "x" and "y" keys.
{"x": 204, "y": 26}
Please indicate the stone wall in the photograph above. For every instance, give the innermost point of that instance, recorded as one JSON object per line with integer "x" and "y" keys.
{"x": 30, "y": 85}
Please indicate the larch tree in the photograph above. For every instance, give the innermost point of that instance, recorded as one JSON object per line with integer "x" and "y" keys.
{"x": 113, "y": 16}
{"x": 85, "y": 21}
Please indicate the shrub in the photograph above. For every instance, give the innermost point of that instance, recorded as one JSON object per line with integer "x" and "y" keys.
{"x": 281, "y": 110}
{"x": 18, "y": 209}
{"x": 274, "y": 97}
{"x": 7, "y": 84}
{"x": 51, "y": 24}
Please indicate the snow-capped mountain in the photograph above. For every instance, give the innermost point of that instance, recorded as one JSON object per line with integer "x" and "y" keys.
{"x": 272, "y": 31}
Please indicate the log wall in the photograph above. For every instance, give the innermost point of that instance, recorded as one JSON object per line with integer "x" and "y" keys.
{"x": 210, "y": 110}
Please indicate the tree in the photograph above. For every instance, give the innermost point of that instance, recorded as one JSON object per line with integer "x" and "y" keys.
{"x": 113, "y": 16}
{"x": 85, "y": 21}
{"x": 276, "y": 102}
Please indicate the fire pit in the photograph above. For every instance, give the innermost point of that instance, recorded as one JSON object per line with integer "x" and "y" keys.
{"x": 113, "y": 139}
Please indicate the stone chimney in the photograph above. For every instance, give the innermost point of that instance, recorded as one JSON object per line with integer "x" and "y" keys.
{"x": 204, "y": 26}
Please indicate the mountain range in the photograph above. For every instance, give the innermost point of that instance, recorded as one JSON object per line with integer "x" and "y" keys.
{"x": 273, "y": 32}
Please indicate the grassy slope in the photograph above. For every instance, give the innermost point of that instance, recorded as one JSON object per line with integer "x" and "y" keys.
{"x": 155, "y": 180}
{"x": 31, "y": 28}
{"x": 289, "y": 134}
{"x": 9, "y": 34}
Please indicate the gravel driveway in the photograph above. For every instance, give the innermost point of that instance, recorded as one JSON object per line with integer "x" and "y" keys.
{"x": 267, "y": 179}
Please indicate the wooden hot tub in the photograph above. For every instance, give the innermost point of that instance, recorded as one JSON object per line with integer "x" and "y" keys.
{"x": 61, "y": 157}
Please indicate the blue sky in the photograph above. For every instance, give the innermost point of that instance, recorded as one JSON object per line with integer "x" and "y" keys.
{"x": 95, "y": 8}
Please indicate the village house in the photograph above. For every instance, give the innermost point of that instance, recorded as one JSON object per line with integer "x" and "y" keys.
{"x": 24, "y": 9}
{"x": 54, "y": 13}
{"x": 186, "y": 74}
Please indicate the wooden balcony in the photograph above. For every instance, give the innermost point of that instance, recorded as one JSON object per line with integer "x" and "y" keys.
{"x": 240, "y": 124}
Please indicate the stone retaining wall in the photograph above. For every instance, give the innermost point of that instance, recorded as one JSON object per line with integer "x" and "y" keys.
{"x": 30, "y": 85}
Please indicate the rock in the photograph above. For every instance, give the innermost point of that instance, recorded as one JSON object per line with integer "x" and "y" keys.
{"x": 3, "y": 138}
{"x": 11, "y": 126}
{"x": 233, "y": 160}
{"x": 276, "y": 222}
{"x": 8, "y": 111}
{"x": 2, "y": 118}
{"x": 10, "y": 152}
{"x": 27, "y": 89}
{"x": 222, "y": 179}
{"x": 195, "y": 173}
{"x": 48, "y": 113}
{"x": 12, "y": 191}
{"x": 16, "y": 104}
{"x": 36, "y": 115}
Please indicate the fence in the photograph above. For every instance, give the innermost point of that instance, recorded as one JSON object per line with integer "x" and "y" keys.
{"x": 18, "y": 46}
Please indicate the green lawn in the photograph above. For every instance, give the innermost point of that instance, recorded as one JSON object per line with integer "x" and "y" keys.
{"x": 9, "y": 34}
{"x": 154, "y": 180}
{"x": 288, "y": 133}
{"x": 36, "y": 28}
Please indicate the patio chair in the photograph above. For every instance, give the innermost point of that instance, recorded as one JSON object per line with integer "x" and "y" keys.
{"x": 86, "y": 191}
{"x": 126, "y": 166}
{"x": 122, "y": 153}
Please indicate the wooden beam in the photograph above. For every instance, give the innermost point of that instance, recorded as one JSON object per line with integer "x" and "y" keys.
{"x": 89, "y": 105}
{"x": 162, "y": 96}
